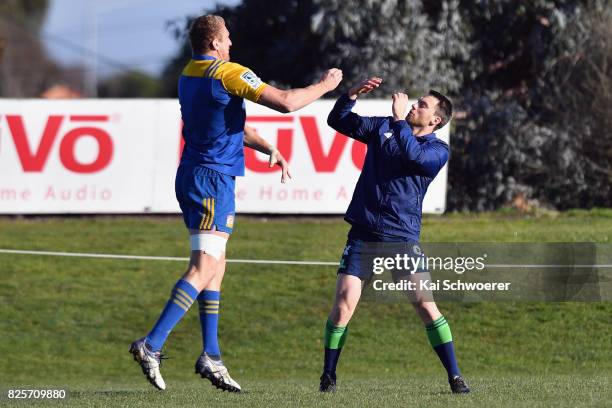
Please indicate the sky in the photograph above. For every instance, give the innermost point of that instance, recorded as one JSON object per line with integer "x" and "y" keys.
{"x": 129, "y": 32}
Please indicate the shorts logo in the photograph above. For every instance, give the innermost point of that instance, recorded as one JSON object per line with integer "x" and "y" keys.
{"x": 345, "y": 254}
{"x": 251, "y": 79}
{"x": 230, "y": 221}
{"x": 417, "y": 250}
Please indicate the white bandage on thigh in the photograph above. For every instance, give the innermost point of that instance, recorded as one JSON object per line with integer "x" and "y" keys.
{"x": 213, "y": 245}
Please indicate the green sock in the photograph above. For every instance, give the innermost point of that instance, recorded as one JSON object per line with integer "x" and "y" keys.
{"x": 335, "y": 336}
{"x": 441, "y": 340}
{"x": 438, "y": 332}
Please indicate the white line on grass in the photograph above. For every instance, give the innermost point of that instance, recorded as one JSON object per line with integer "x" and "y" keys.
{"x": 161, "y": 258}
{"x": 258, "y": 261}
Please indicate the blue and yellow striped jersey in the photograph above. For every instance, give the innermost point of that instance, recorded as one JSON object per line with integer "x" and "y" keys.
{"x": 211, "y": 94}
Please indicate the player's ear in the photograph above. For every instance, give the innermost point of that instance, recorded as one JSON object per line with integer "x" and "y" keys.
{"x": 215, "y": 45}
{"x": 435, "y": 120}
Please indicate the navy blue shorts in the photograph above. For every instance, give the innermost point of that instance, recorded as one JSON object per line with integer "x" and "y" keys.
{"x": 206, "y": 197}
{"x": 358, "y": 256}
{"x": 351, "y": 262}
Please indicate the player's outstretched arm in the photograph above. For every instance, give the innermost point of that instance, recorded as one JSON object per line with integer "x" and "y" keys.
{"x": 256, "y": 142}
{"x": 285, "y": 101}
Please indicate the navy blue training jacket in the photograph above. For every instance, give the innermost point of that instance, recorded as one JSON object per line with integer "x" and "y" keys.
{"x": 398, "y": 168}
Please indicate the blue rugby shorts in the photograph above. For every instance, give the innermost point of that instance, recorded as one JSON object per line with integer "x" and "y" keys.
{"x": 206, "y": 198}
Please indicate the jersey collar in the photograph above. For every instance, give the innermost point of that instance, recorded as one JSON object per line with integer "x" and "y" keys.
{"x": 200, "y": 57}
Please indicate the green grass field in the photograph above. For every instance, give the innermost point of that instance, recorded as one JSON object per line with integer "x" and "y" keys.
{"x": 68, "y": 322}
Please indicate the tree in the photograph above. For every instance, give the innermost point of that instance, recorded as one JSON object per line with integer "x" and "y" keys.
{"x": 25, "y": 70}
{"x": 518, "y": 138}
{"x": 575, "y": 96}
{"x": 290, "y": 43}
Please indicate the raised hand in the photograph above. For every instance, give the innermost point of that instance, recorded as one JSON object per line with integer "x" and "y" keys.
{"x": 365, "y": 86}
{"x": 331, "y": 78}
{"x": 399, "y": 106}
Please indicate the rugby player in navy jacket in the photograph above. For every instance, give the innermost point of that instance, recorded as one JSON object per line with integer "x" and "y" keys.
{"x": 403, "y": 158}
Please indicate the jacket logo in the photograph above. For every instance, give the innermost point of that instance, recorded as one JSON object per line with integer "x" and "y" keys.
{"x": 388, "y": 134}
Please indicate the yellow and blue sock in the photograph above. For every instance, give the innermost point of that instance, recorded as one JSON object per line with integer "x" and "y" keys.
{"x": 209, "y": 320}
{"x": 182, "y": 297}
{"x": 441, "y": 340}
{"x": 335, "y": 336}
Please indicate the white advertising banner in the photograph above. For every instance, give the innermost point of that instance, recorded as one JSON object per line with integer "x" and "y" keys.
{"x": 120, "y": 156}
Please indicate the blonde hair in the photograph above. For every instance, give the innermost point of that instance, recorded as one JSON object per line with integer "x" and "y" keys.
{"x": 203, "y": 31}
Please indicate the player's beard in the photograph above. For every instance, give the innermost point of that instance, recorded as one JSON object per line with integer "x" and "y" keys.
{"x": 415, "y": 122}
{"x": 411, "y": 120}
